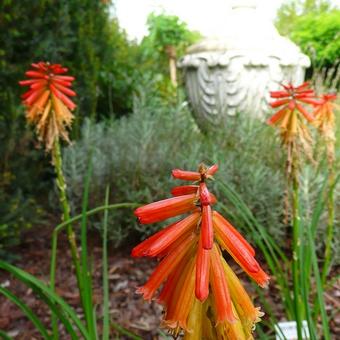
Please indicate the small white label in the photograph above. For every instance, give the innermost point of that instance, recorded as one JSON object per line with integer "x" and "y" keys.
{"x": 287, "y": 330}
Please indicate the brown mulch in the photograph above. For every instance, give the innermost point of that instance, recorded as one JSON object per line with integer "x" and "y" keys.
{"x": 127, "y": 308}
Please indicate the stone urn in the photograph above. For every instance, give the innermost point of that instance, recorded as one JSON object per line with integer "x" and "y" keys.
{"x": 234, "y": 73}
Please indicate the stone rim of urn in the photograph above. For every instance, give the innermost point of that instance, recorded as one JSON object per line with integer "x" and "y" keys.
{"x": 233, "y": 73}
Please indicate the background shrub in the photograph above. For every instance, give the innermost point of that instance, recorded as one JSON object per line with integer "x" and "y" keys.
{"x": 137, "y": 153}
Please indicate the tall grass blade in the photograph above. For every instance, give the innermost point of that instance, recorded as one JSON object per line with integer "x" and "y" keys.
{"x": 319, "y": 289}
{"x": 86, "y": 276}
{"x": 27, "y": 311}
{"x": 57, "y": 305}
{"x": 5, "y": 336}
{"x": 126, "y": 332}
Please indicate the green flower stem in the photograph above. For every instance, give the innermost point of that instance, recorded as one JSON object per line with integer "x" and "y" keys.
{"x": 296, "y": 257}
{"x": 57, "y": 162}
{"x": 330, "y": 224}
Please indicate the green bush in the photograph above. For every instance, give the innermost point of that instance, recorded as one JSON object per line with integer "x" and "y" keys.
{"x": 135, "y": 156}
{"x": 318, "y": 34}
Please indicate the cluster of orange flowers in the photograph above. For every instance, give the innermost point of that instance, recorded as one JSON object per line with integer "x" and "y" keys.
{"x": 292, "y": 114}
{"x": 200, "y": 293}
{"x": 47, "y": 101}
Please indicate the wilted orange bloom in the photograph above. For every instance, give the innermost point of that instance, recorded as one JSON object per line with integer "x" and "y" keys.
{"x": 200, "y": 293}
{"x": 47, "y": 101}
{"x": 325, "y": 122}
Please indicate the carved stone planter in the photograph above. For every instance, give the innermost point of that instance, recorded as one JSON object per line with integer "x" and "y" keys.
{"x": 235, "y": 73}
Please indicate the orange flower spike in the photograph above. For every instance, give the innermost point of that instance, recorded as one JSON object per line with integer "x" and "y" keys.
{"x": 324, "y": 112}
{"x": 165, "y": 267}
{"x": 202, "y": 272}
{"x": 157, "y": 243}
{"x": 45, "y": 92}
{"x": 186, "y": 175}
{"x": 220, "y": 290}
{"x": 184, "y": 190}
{"x": 162, "y": 210}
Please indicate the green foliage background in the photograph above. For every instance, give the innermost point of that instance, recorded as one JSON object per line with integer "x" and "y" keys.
{"x": 110, "y": 71}
{"x": 315, "y": 26}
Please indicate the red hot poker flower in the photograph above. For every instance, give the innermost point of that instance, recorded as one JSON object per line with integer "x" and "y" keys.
{"x": 325, "y": 122}
{"x": 191, "y": 262}
{"x": 291, "y": 116}
{"x": 47, "y": 101}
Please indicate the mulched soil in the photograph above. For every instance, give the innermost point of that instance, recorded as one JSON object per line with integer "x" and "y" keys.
{"x": 125, "y": 274}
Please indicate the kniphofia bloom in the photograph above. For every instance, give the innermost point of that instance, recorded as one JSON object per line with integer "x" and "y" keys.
{"x": 291, "y": 117}
{"x": 200, "y": 293}
{"x": 47, "y": 101}
{"x": 325, "y": 122}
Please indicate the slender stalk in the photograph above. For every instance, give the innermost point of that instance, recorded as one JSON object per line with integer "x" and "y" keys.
{"x": 330, "y": 224}
{"x": 106, "y": 319}
{"x": 296, "y": 256}
{"x": 57, "y": 162}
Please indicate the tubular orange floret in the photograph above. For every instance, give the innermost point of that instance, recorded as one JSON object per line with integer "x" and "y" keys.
{"x": 221, "y": 295}
{"x": 207, "y": 232}
{"x": 165, "y": 267}
{"x": 205, "y": 197}
{"x": 177, "y": 316}
{"x": 171, "y": 234}
{"x": 248, "y": 314}
{"x": 277, "y": 116}
{"x": 162, "y": 210}
{"x": 186, "y": 175}
{"x": 278, "y": 103}
{"x": 226, "y": 227}
{"x": 142, "y": 248}
{"x": 306, "y": 114}
{"x": 242, "y": 253}
{"x": 212, "y": 170}
{"x": 184, "y": 190}
{"x": 202, "y": 272}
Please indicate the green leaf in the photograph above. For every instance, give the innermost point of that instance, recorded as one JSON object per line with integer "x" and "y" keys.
{"x": 27, "y": 311}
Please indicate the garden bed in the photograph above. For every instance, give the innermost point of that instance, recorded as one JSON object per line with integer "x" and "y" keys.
{"x": 127, "y": 309}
